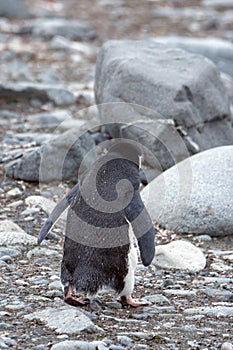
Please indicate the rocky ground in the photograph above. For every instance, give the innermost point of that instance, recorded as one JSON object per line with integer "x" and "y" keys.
{"x": 188, "y": 310}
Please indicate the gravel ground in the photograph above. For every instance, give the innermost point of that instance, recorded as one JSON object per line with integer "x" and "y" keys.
{"x": 188, "y": 310}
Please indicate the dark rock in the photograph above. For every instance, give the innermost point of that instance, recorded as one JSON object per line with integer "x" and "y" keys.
{"x": 13, "y": 9}
{"x": 29, "y": 91}
{"x": 50, "y": 27}
{"x": 60, "y": 158}
{"x": 161, "y": 85}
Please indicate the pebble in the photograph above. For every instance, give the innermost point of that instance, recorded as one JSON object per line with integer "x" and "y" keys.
{"x": 15, "y": 192}
{"x": 227, "y": 346}
{"x": 56, "y": 285}
{"x": 157, "y": 298}
{"x": 124, "y": 340}
{"x": 11, "y": 252}
{"x": 202, "y": 238}
{"x": 181, "y": 293}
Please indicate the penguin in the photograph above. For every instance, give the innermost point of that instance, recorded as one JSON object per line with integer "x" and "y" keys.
{"x": 106, "y": 220}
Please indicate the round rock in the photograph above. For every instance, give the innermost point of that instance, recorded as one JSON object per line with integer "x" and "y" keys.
{"x": 179, "y": 255}
{"x": 196, "y": 195}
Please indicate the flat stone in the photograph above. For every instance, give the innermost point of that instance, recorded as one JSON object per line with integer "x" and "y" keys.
{"x": 77, "y": 345}
{"x": 157, "y": 298}
{"x": 218, "y": 3}
{"x": 64, "y": 319}
{"x": 41, "y": 251}
{"x": 179, "y": 255}
{"x": 217, "y": 311}
{"x": 50, "y": 27}
{"x": 186, "y": 203}
{"x": 27, "y": 90}
{"x": 219, "y": 294}
{"x": 12, "y": 252}
{"x": 181, "y": 293}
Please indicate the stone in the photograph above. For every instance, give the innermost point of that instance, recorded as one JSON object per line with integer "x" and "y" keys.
{"x": 7, "y": 225}
{"x": 59, "y": 95}
{"x": 7, "y": 251}
{"x": 12, "y": 234}
{"x": 50, "y": 27}
{"x": 59, "y": 159}
{"x": 217, "y": 50}
{"x": 49, "y": 120}
{"x": 41, "y": 251}
{"x": 179, "y": 88}
{"x": 181, "y": 293}
{"x": 76, "y": 345}
{"x": 56, "y": 285}
{"x": 64, "y": 319}
{"x": 218, "y": 3}
{"x": 13, "y": 9}
{"x": 182, "y": 200}
{"x": 157, "y": 298}
{"x": 227, "y": 346}
{"x": 217, "y": 311}
{"x": 14, "y": 193}
{"x": 179, "y": 255}
{"x": 219, "y": 294}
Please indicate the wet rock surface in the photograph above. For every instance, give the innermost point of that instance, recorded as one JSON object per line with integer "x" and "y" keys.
{"x": 187, "y": 309}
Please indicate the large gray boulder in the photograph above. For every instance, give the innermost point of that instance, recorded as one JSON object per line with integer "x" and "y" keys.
{"x": 58, "y": 159}
{"x": 196, "y": 195}
{"x": 172, "y": 85}
{"x": 218, "y": 50}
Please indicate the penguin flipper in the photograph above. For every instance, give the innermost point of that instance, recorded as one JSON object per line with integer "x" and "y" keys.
{"x": 137, "y": 214}
{"x": 146, "y": 245}
{"x": 56, "y": 213}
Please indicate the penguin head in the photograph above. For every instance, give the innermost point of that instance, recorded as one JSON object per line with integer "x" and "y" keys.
{"x": 127, "y": 149}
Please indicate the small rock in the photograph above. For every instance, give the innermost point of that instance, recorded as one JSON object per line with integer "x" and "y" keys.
{"x": 181, "y": 293}
{"x": 217, "y": 311}
{"x": 157, "y": 298}
{"x": 64, "y": 319}
{"x": 56, "y": 285}
{"x": 202, "y": 238}
{"x": 124, "y": 340}
{"x": 45, "y": 93}
{"x": 6, "y": 258}
{"x": 38, "y": 251}
{"x": 12, "y": 252}
{"x": 50, "y": 27}
{"x": 15, "y": 192}
{"x": 227, "y": 346}
{"x": 179, "y": 255}
{"x": 75, "y": 345}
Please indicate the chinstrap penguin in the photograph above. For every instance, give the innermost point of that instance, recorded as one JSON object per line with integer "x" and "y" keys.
{"x": 105, "y": 215}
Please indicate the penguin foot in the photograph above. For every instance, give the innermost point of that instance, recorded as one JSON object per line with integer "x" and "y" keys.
{"x": 72, "y": 300}
{"x": 129, "y": 301}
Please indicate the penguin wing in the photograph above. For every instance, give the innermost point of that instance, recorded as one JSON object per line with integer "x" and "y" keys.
{"x": 56, "y": 213}
{"x": 143, "y": 228}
